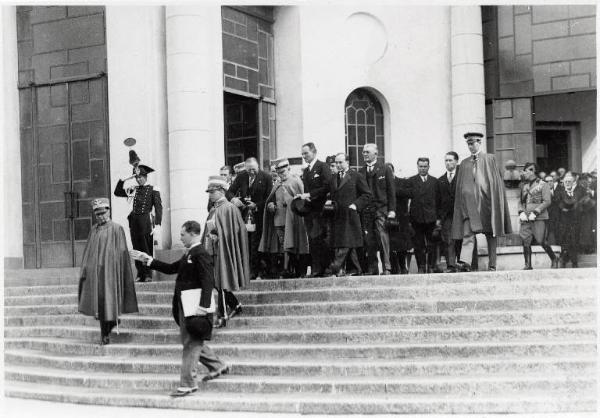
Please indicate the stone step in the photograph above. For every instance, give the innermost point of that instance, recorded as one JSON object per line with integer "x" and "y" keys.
{"x": 489, "y": 318}
{"x": 321, "y": 336}
{"x": 320, "y": 309}
{"x": 351, "y": 294}
{"x": 47, "y": 277}
{"x": 245, "y": 351}
{"x": 313, "y": 403}
{"x": 565, "y": 277}
{"x": 365, "y": 386}
{"x": 315, "y": 368}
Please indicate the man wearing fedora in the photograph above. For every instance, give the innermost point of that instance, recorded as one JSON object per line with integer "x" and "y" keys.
{"x": 480, "y": 205}
{"x": 106, "y": 287}
{"x": 194, "y": 271}
{"x": 142, "y": 226}
{"x": 284, "y": 234}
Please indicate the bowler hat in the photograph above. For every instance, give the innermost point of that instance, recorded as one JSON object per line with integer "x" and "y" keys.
{"x": 300, "y": 207}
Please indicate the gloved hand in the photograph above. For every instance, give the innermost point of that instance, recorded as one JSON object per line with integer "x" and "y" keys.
{"x": 532, "y": 216}
{"x": 523, "y": 217}
{"x": 155, "y": 230}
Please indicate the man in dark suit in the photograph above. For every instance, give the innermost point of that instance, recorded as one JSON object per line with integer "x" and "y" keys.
{"x": 447, "y": 182}
{"x": 142, "y": 226}
{"x": 194, "y": 271}
{"x": 380, "y": 179}
{"x": 249, "y": 192}
{"x": 424, "y": 214}
{"x": 317, "y": 180}
{"x": 350, "y": 192}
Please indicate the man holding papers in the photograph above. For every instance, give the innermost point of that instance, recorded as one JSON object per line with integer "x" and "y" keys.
{"x": 193, "y": 289}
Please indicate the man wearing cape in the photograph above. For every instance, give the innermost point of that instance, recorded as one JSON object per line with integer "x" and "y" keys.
{"x": 225, "y": 238}
{"x": 480, "y": 206}
{"x": 106, "y": 285}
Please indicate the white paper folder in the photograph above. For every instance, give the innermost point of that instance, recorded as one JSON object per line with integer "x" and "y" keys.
{"x": 190, "y": 301}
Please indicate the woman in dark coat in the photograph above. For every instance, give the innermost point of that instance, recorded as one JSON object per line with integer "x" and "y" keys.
{"x": 571, "y": 201}
{"x": 587, "y": 209}
{"x": 401, "y": 237}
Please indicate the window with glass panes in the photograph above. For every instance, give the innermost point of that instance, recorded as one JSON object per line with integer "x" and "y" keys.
{"x": 364, "y": 124}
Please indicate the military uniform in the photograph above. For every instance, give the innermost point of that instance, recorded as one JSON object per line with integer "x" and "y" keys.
{"x": 535, "y": 199}
{"x": 140, "y": 219}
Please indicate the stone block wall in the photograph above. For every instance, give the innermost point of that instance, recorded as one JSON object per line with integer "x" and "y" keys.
{"x": 545, "y": 49}
{"x": 248, "y": 50}
{"x": 60, "y": 41}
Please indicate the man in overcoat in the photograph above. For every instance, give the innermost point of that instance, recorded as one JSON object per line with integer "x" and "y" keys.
{"x": 106, "y": 286}
{"x": 480, "y": 206}
{"x": 284, "y": 234}
{"x": 447, "y": 183}
{"x": 225, "y": 238}
{"x": 194, "y": 271}
{"x": 424, "y": 214}
{"x": 380, "y": 180}
{"x": 249, "y": 192}
{"x": 317, "y": 180}
{"x": 351, "y": 194}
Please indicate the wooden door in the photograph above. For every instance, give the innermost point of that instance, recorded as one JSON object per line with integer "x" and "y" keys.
{"x": 69, "y": 157}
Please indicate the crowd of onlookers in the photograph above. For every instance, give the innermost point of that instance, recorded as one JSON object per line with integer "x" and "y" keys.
{"x": 339, "y": 220}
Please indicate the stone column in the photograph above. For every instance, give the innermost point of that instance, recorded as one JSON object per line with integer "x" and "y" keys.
{"x": 137, "y": 101}
{"x": 12, "y": 215}
{"x": 468, "y": 89}
{"x": 195, "y": 108}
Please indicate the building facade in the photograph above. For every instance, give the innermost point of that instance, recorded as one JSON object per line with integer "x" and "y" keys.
{"x": 203, "y": 86}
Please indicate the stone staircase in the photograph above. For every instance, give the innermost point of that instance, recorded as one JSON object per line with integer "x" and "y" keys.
{"x": 488, "y": 342}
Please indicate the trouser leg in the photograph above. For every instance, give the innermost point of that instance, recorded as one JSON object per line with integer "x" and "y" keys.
{"x": 394, "y": 262}
{"x": 384, "y": 242}
{"x": 450, "y": 253}
{"x": 420, "y": 245}
{"x": 355, "y": 261}
{"x": 339, "y": 259}
{"x": 209, "y": 359}
{"x": 491, "y": 241}
{"x": 468, "y": 243}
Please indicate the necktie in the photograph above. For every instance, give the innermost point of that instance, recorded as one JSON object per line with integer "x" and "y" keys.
{"x": 474, "y": 166}
{"x": 369, "y": 168}
{"x": 251, "y": 180}
{"x": 450, "y": 177}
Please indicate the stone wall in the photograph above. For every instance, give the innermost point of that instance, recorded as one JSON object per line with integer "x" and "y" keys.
{"x": 248, "y": 50}
{"x": 546, "y": 49}
{"x": 60, "y": 41}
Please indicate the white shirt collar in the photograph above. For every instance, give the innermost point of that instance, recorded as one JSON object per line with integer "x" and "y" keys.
{"x": 312, "y": 164}
{"x": 194, "y": 245}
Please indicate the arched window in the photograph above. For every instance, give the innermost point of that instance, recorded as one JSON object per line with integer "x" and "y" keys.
{"x": 364, "y": 124}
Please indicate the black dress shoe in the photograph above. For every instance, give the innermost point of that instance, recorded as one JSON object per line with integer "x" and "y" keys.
{"x": 220, "y": 323}
{"x": 235, "y": 311}
{"x": 464, "y": 267}
{"x": 105, "y": 340}
{"x": 216, "y": 373}
{"x": 181, "y": 392}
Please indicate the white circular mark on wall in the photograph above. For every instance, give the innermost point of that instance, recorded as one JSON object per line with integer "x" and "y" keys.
{"x": 364, "y": 39}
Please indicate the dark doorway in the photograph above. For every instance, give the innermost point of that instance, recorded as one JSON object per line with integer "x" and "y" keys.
{"x": 241, "y": 128}
{"x": 64, "y": 149}
{"x": 552, "y": 148}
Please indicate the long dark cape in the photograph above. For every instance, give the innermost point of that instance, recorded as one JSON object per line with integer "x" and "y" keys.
{"x": 106, "y": 287}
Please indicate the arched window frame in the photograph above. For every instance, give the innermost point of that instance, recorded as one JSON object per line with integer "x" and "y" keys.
{"x": 364, "y": 123}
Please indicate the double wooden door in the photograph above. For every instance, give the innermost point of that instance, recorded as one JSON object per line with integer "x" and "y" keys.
{"x": 64, "y": 150}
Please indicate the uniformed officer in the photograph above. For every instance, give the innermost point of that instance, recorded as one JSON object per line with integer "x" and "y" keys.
{"x": 141, "y": 223}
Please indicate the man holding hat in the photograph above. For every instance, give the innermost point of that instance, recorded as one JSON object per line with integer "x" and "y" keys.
{"x": 106, "y": 288}
{"x": 225, "y": 238}
{"x": 141, "y": 224}
{"x": 480, "y": 205}
{"x": 194, "y": 272}
{"x": 284, "y": 235}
